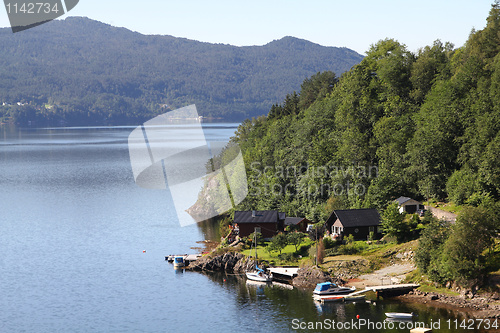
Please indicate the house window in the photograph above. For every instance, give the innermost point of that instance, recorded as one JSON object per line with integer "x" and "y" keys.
{"x": 356, "y": 230}
{"x": 257, "y": 229}
{"x": 372, "y": 229}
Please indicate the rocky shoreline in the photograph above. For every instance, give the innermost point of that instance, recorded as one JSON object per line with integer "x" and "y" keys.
{"x": 485, "y": 306}
{"x": 307, "y": 277}
{"x": 478, "y": 306}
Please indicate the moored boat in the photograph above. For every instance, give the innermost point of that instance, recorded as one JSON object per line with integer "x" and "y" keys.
{"x": 327, "y": 299}
{"x": 399, "y": 315}
{"x": 259, "y": 275}
{"x": 179, "y": 262}
{"x": 348, "y": 298}
{"x": 329, "y": 288}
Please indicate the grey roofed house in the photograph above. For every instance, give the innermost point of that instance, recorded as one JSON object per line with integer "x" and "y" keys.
{"x": 409, "y": 205}
{"x": 293, "y": 220}
{"x": 256, "y": 216}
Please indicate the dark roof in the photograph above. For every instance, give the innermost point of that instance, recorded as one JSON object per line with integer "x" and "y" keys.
{"x": 261, "y": 216}
{"x": 402, "y": 200}
{"x": 293, "y": 220}
{"x": 358, "y": 217}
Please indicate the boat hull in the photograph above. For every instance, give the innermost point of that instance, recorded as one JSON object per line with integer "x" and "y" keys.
{"x": 335, "y": 291}
{"x": 260, "y": 277}
{"x": 179, "y": 262}
{"x": 329, "y": 299}
{"x": 398, "y": 315}
{"x": 354, "y": 298}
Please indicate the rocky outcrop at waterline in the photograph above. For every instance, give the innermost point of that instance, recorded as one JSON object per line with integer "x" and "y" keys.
{"x": 310, "y": 276}
{"x": 229, "y": 262}
{"x": 478, "y": 306}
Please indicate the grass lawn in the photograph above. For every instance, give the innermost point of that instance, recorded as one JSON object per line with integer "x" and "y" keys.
{"x": 262, "y": 254}
{"x": 445, "y": 291}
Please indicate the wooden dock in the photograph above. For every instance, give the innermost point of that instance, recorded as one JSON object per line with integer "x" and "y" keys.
{"x": 393, "y": 289}
{"x": 283, "y": 274}
{"x": 388, "y": 290}
{"x": 187, "y": 257}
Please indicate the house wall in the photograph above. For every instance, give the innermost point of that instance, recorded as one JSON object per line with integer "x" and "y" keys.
{"x": 362, "y": 234}
{"x": 268, "y": 230}
{"x": 411, "y": 206}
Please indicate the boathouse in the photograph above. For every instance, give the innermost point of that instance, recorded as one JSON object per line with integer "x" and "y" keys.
{"x": 356, "y": 222}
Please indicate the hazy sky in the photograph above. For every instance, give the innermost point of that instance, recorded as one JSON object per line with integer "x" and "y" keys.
{"x": 352, "y": 24}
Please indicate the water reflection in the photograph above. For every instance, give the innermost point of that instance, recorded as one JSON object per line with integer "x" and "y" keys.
{"x": 285, "y": 305}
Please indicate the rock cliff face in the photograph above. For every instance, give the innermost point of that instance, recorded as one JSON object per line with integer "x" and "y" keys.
{"x": 229, "y": 262}
{"x": 309, "y": 276}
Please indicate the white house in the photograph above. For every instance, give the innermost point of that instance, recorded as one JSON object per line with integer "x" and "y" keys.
{"x": 409, "y": 205}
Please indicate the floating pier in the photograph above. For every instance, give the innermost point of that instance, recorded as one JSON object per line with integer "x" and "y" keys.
{"x": 187, "y": 257}
{"x": 389, "y": 290}
{"x": 284, "y": 274}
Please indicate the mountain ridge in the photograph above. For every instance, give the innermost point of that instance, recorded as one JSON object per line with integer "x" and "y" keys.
{"x": 80, "y": 63}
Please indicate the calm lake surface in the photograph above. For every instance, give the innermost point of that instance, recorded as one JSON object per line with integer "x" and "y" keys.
{"x": 73, "y": 228}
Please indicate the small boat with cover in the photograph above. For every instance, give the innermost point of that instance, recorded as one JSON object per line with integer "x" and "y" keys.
{"x": 329, "y": 288}
{"x": 179, "y": 262}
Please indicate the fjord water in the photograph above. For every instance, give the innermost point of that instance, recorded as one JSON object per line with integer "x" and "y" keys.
{"x": 73, "y": 230}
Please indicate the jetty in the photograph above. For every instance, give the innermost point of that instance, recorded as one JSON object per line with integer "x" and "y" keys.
{"x": 389, "y": 290}
{"x": 187, "y": 257}
{"x": 283, "y": 274}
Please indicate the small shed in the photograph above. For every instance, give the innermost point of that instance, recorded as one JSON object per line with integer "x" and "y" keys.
{"x": 299, "y": 223}
{"x": 267, "y": 222}
{"x": 356, "y": 222}
{"x": 409, "y": 205}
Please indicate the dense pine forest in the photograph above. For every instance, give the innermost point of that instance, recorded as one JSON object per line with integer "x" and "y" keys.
{"x": 424, "y": 125}
{"x": 82, "y": 72}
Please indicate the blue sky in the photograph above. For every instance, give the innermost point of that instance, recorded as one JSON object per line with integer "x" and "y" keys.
{"x": 352, "y": 24}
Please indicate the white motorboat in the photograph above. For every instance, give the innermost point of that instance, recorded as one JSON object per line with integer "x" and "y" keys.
{"x": 329, "y": 288}
{"x": 399, "y": 315}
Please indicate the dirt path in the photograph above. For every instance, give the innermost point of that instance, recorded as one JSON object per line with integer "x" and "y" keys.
{"x": 393, "y": 274}
{"x": 442, "y": 214}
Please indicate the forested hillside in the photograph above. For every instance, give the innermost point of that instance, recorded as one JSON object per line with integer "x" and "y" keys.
{"x": 423, "y": 125}
{"x": 80, "y": 71}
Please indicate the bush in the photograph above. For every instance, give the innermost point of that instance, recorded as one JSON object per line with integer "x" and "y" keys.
{"x": 328, "y": 242}
{"x": 295, "y": 238}
{"x": 277, "y": 243}
{"x": 258, "y": 235}
{"x": 317, "y": 250}
{"x": 290, "y": 257}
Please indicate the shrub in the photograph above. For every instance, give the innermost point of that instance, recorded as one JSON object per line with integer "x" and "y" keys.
{"x": 328, "y": 242}
{"x": 290, "y": 257}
